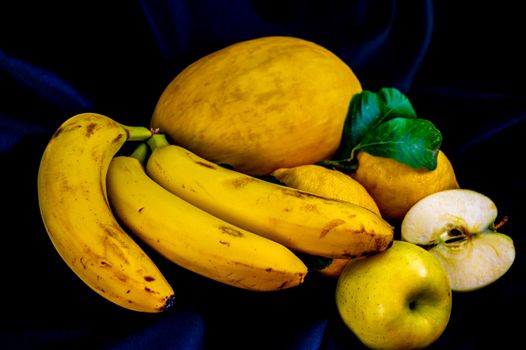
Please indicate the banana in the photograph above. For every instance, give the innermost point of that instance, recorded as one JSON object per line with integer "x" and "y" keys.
{"x": 300, "y": 220}
{"x": 79, "y": 221}
{"x": 195, "y": 239}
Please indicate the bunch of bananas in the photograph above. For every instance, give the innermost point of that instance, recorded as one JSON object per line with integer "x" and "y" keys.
{"x": 220, "y": 223}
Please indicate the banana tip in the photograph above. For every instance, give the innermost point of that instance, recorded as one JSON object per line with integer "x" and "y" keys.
{"x": 169, "y": 303}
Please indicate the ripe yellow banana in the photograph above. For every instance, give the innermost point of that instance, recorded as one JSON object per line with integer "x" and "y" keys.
{"x": 195, "y": 239}
{"x": 77, "y": 216}
{"x": 299, "y": 220}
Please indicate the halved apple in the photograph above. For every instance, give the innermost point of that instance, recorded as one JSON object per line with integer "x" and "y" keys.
{"x": 458, "y": 227}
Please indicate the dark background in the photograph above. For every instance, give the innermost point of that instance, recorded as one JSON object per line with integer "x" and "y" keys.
{"x": 461, "y": 63}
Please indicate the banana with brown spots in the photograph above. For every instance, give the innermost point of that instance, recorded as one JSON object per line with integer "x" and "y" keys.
{"x": 297, "y": 219}
{"x": 195, "y": 239}
{"x": 76, "y": 214}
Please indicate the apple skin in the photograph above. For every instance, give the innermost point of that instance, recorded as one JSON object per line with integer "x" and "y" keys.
{"x": 398, "y": 299}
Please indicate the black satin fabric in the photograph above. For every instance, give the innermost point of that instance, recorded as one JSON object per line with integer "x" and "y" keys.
{"x": 461, "y": 63}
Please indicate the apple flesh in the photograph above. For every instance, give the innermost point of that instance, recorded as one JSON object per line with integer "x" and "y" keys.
{"x": 457, "y": 227}
{"x": 397, "y": 299}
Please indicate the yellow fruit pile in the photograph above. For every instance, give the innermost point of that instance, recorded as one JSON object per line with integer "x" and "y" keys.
{"x": 256, "y": 106}
{"x": 197, "y": 189}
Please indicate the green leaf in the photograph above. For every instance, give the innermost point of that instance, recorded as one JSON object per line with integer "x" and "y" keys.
{"x": 385, "y": 124}
{"x": 394, "y": 104}
{"x": 366, "y": 111}
{"x": 414, "y": 142}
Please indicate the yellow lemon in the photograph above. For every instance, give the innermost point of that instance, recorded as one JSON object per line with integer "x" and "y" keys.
{"x": 327, "y": 183}
{"x": 396, "y": 187}
{"x": 260, "y": 104}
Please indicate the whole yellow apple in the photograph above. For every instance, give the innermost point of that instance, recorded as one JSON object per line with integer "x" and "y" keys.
{"x": 398, "y": 299}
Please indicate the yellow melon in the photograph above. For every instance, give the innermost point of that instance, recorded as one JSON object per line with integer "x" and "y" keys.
{"x": 261, "y": 104}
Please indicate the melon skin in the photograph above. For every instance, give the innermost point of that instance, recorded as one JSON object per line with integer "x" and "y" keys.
{"x": 260, "y": 104}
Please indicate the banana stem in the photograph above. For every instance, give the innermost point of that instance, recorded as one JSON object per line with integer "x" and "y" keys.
{"x": 157, "y": 140}
{"x": 137, "y": 133}
{"x": 141, "y": 153}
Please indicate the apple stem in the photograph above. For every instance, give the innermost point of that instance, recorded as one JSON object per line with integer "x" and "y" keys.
{"x": 501, "y": 223}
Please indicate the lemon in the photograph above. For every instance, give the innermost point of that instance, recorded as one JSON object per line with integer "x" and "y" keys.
{"x": 396, "y": 187}
{"x": 260, "y": 104}
{"x": 327, "y": 183}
